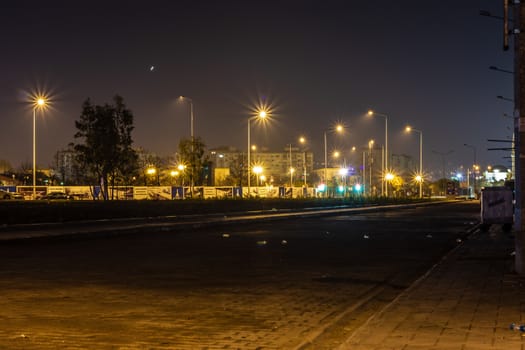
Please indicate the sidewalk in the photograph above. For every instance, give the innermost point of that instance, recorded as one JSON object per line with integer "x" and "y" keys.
{"x": 467, "y": 302}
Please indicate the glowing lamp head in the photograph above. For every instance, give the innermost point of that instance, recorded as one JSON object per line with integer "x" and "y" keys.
{"x": 408, "y": 129}
{"x": 262, "y": 114}
{"x": 370, "y": 112}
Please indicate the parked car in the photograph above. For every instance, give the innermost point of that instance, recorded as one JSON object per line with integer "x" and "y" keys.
{"x": 10, "y": 195}
{"x": 55, "y": 196}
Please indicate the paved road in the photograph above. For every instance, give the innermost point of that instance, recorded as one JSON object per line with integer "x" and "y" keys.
{"x": 303, "y": 283}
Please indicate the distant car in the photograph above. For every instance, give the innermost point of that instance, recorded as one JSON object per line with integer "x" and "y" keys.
{"x": 10, "y": 195}
{"x": 55, "y": 196}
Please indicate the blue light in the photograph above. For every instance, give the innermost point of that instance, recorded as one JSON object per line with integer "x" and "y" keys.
{"x": 357, "y": 187}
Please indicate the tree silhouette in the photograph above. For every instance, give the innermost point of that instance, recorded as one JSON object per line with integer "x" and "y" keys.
{"x": 105, "y": 149}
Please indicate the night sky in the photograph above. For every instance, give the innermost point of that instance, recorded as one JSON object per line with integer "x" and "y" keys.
{"x": 423, "y": 63}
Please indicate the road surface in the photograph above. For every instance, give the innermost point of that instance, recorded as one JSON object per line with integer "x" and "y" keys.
{"x": 300, "y": 283}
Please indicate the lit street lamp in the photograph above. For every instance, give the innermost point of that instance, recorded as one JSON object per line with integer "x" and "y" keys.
{"x": 385, "y": 165}
{"x": 38, "y": 103}
{"x": 181, "y": 168}
{"x": 262, "y": 115}
{"x": 302, "y": 141}
{"x": 410, "y": 129}
{"x": 338, "y": 128}
{"x": 257, "y": 170}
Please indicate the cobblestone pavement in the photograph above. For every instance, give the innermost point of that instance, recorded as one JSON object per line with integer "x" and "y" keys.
{"x": 302, "y": 283}
{"x": 467, "y": 302}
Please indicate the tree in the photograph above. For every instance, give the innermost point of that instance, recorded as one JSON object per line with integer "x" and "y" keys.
{"x": 105, "y": 149}
{"x": 192, "y": 155}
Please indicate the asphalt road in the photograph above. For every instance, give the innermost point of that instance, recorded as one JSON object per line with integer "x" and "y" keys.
{"x": 301, "y": 283}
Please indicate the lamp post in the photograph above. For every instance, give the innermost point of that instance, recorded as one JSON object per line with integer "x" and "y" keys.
{"x": 291, "y": 167}
{"x": 302, "y": 141}
{"x": 192, "y": 135}
{"x": 385, "y": 163}
{"x": 443, "y": 172}
{"x": 260, "y": 115}
{"x": 181, "y": 168}
{"x": 474, "y": 165}
{"x": 410, "y": 129}
{"x": 39, "y": 103}
{"x": 370, "y": 162}
{"x": 257, "y": 170}
{"x": 338, "y": 128}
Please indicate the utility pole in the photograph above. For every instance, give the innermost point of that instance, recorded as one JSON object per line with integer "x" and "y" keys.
{"x": 519, "y": 130}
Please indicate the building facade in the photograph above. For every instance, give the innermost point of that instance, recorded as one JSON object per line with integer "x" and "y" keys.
{"x": 289, "y": 167}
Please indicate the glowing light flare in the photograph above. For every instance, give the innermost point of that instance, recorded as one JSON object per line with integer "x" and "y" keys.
{"x": 389, "y": 176}
{"x": 257, "y": 169}
{"x": 40, "y": 101}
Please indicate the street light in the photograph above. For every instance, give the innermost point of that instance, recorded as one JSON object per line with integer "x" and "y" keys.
{"x": 181, "y": 168}
{"x": 262, "y": 115}
{"x": 370, "y": 162}
{"x": 410, "y": 129}
{"x": 40, "y": 102}
{"x": 474, "y": 165}
{"x": 338, "y": 128}
{"x": 443, "y": 155}
{"x": 257, "y": 170}
{"x": 385, "y": 165}
{"x": 302, "y": 141}
{"x": 192, "y": 135}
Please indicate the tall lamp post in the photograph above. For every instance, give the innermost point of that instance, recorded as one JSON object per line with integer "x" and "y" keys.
{"x": 338, "y": 128}
{"x": 260, "y": 115}
{"x": 385, "y": 165}
{"x": 192, "y": 135}
{"x": 420, "y": 175}
{"x": 473, "y": 166}
{"x": 443, "y": 172}
{"x": 302, "y": 141}
{"x": 39, "y": 103}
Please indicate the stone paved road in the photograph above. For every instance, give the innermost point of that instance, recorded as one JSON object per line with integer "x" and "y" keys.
{"x": 271, "y": 285}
